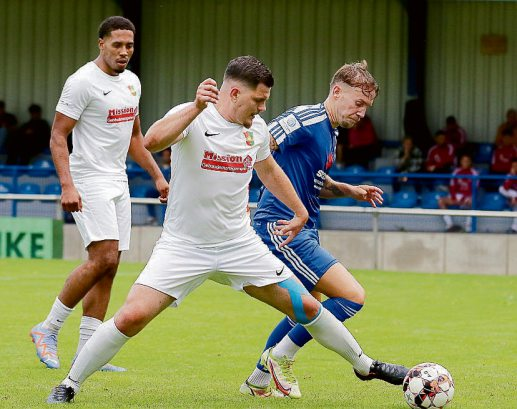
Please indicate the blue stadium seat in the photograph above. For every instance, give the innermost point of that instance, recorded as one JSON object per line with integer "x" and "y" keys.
{"x": 429, "y": 200}
{"x": 405, "y": 200}
{"x": 492, "y": 201}
{"x": 349, "y": 174}
{"x": 254, "y": 195}
{"x": 41, "y": 167}
{"x": 139, "y": 191}
{"x": 340, "y": 201}
{"x": 484, "y": 153}
{"x": 52, "y": 189}
{"x": 29, "y": 189}
{"x": 385, "y": 170}
{"x": 5, "y": 187}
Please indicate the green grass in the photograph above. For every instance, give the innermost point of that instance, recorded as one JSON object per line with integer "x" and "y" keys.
{"x": 198, "y": 355}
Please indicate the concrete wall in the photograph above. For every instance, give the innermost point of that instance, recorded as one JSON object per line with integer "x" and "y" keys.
{"x": 492, "y": 254}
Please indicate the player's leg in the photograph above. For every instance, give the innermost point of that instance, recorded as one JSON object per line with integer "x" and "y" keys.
{"x": 345, "y": 299}
{"x": 102, "y": 258}
{"x": 142, "y": 305}
{"x": 291, "y": 298}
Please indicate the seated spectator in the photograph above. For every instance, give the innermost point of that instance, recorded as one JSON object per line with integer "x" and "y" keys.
{"x": 511, "y": 124}
{"x": 455, "y": 135}
{"x": 440, "y": 158}
{"x": 409, "y": 160}
{"x": 460, "y": 194}
{"x": 509, "y": 190}
{"x": 504, "y": 154}
{"x": 31, "y": 139}
{"x": 360, "y": 145}
{"x": 8, "y": 123}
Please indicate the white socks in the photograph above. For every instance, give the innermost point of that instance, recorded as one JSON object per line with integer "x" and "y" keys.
{"x": 332, "y": 334}
{"x": 86, "y": 330}
{"x": 57, "y": 316}
{"x": 286, "y": 347}
{"x": 259, "y": 378}
{"x": 102, "y": 346}
{"x": 448, "y": 221}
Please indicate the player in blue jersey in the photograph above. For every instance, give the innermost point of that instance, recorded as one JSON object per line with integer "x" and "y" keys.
{"x": 303, "y": 141}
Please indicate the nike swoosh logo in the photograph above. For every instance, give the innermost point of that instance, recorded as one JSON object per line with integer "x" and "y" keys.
{"x": 106, "y": 92}
{"x": 280, "y": 272}
{"x": 210, "y": 134}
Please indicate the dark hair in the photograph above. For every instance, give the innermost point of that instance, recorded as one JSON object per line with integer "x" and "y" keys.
{"x": 514, "y": 160}
{"x": 439, "y": 132}
{"x": 249, "y": 70}
{"x": 357, "y": 76}
{"x": 34, "y": 108}
{"x": 115, "y": 23}
{"x": 2, "y": 104}
{"x": 450, "y": 120}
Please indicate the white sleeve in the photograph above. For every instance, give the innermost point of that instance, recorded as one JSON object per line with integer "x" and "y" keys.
{"x": 264, "y": 150}
{"x": 176, "y": 109}
{"x": 74, "y": 98}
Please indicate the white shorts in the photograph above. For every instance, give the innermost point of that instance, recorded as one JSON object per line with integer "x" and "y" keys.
{"x": 177, "y": 268}
{"x": 106, "y": 213}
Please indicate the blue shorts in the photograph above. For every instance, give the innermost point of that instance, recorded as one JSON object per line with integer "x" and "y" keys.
{"x": 304, "y": 255}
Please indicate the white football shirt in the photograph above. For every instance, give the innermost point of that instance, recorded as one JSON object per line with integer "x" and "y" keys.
{"x": 105, "y": 108}
{"x": 211, "y": 170}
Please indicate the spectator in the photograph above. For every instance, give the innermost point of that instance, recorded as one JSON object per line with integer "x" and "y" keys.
{"x": 8, "y": 123}
{"x": 511, "y": 124}
{"x": 440, "y": 158}
{"x": 460, "y": 194}
{"x": 361, "y": 144}
{"x": 31, "y": 139}
{"x": 509, "y": 190}
{"x": 455, "y": 135}
{"x": 504, "y": 154}
{"x": 409, "y": 160}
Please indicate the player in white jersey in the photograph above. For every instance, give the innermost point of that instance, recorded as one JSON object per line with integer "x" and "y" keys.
{"x": 207, "y": 234}
{"x": 99, "y": 105}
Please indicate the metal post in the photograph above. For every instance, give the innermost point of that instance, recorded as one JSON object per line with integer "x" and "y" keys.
{"x": 375, "y": 227}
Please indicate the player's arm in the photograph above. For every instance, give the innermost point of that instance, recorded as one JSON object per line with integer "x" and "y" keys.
{"x": 276, "y": 181}
{"x": 169, "y": 130}
{"x": 144, "y": 158}
{"x": 61, "y": 128}
{"x": 364, "y": 193}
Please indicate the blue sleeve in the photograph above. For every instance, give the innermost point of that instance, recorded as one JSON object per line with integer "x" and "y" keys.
{"x": 287, "y": 130}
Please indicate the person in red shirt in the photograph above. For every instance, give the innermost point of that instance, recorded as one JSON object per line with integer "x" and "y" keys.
{"x": 504, "y": 154}
{"x": 440, "y": 158}
{"x": 460, "y": 193}
{"x": 455, "y": 134}
{"x": 509, "y": 190}
{"x": 510, "y": 123}
{"x": 360, "y": 144}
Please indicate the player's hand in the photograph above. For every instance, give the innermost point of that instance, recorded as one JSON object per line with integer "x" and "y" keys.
{"x": 163, "y": 189}
{"x": 367, "y": 193}
{"x": 206, "y": 92}
{"x": 71, "y": 200}
{"x": 289, "y": 228}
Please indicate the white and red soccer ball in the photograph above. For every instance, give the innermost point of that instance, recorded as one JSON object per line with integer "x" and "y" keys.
{"x": 428, "y": 385}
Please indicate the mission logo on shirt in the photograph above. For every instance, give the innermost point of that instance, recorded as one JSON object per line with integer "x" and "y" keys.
{"x": 226, "y": 163}
{"x": 117, "y": 115}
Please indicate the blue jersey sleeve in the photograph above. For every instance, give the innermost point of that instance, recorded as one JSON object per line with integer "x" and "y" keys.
{"x": 287, "y": 130}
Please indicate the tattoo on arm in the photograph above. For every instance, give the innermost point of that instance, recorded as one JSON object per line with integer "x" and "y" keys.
{"x": 332, "y": 187}
{"x": 273, "y": 146}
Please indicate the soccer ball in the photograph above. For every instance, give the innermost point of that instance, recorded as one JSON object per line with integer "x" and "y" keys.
{"x": 428, "y": 385}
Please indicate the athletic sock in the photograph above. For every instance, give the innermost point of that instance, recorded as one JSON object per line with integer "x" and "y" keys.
{"x": 259, "y": 378}
{"x": 448, "y": 220}
{"x": 106, "y": 341}
{"x": 280, "y": 331}
{"x": 332, "y": 334}
{"x": 286, "y": 347}
{"x": 86, "y": 329}
{"x": 57, "y": 316}
{"x": 341, "y": 308}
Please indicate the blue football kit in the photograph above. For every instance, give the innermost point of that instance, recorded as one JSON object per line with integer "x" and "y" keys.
{"x": 306, "y": 151}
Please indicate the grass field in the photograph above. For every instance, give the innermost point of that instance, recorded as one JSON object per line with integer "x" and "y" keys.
{"x": 198, "y": 355}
